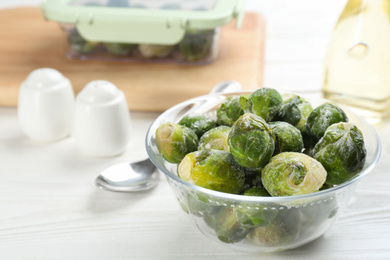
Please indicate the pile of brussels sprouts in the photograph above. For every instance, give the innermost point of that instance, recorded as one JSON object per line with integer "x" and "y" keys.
{"x": 195, "y": 46}
{"x": 263, "y": 144}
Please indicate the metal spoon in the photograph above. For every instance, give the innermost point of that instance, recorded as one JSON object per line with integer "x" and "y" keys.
{"x": 143, "y": 175}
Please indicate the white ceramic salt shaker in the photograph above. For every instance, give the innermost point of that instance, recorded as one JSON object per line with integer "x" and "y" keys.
{"x": 45, "y": 106}
{"x": 101, "y": 125}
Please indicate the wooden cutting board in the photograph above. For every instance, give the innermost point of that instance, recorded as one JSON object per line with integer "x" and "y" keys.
{"x": 28, "y": 42}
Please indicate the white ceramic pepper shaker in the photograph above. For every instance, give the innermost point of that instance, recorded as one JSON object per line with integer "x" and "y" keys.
{"x": 101, "y": 126}
{"x": 45, "y": 106}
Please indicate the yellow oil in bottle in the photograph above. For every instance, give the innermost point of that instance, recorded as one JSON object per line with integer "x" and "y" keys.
{"x": 357, "y": 63}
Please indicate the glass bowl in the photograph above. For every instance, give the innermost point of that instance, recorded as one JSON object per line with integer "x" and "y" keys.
{"x": 293, "y": 221}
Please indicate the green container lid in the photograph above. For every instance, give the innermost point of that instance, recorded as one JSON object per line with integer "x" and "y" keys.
{"x": 146, "y": 21}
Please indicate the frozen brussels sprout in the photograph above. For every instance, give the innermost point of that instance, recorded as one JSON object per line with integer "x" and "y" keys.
{"x": 264, "y": 102}
{"x": 291, "y": 173}
{"x": 155, "y": 50}
{"x": 251, "y": 141}
{"x": 200, "y": 206}
{"x": 229, "y": 111}
{"x": 216, "y": 138}
{"x": 175, "y": 141}
{"x": 212, "y": 169}
{"x": 226, "y": 226}
{"x": 199, "y": 123}
{"x": 318, "y": 211}
{"x": 284, "y": 229}
{"x": 287, "y": 137}
{"x": 119, "y": 49}
{"x": 252, "y": 178}
{"x": 196, "y": 45}
{"x": 256, "y": 191}
{"x": 341, "y": 151}
{"x": 80, "y": 45}
{"x": 295, "y": 110}
{"x": 322, "y": 117}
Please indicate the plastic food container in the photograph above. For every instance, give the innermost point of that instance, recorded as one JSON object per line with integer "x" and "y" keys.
{"x": 183, "y": 31}
{"x": 297, "y": 220}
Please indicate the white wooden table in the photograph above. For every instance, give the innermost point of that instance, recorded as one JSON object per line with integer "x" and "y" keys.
{"x": 50, "y": 208}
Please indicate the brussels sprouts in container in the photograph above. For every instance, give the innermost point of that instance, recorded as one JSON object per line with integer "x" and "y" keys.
{"x": 175, "y": 141}
{"x": 251, "y": 141}
{"x": 252, "y": 200}
{"x": 182, "y": 31}
{"x": 199, "y": 123}
{"x": 119, "y": 49}
{"x": 216, "y": 138}
{"x": 229, "y": 111}
{"x": 295, "y": 110}
{"x": 212, "y": 169}
{"x": 342, "y": 152}
{"x": 78, "y": 44}
{"x": 287, "y": 137}
{"x": 322, "y": 117}
{"x": 264, "y": 102}
{"x": 290, "y": 173}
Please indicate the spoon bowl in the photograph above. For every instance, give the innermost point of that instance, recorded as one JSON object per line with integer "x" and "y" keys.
{"x": 129, "y": 177}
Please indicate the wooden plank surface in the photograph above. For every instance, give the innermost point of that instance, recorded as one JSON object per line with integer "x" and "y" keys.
{"x": 29, "y": 42}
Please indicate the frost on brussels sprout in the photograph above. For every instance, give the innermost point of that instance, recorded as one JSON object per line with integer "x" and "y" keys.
{"x": 252, "y": 178}
{"x": 175, "y": 141}
{"x": 291, "y": 173}
{"x": 316, "y": 212}
{"x": 216, "y": 138}
{"x": 155, "y": 50}
{"x": 119, "y": 49}
{"x": 251, "y": 141}
{"x": 80, "y": 45}
{"x": 287, "y": 137}
{"x": 295, "y": 110}
{"x": 322, "y": 117}
{"x": 199, "y": 123}
{"x": 255, "y": 215}
{"x": 264, "y": 102}
{"x": 256, "y": 191}
{"x": 229, "y": 111}
{"x": 341, "y": 151}
{"x": 196, "y": 45}
{"x": 226, "y": 225}
{"x": 212, "y": 169}
{"x": 284, "y": 229}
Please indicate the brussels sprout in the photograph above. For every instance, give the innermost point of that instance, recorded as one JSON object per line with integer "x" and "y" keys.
{"x": 251, "y": 141}
{"x": 341, "y": 151}
{"x": 292, "y": 173}
{"x": 119, "y": 49}
{"x": 257, "y": 191}
{"x": 264, "y": 102}
{"x": 200, "y": 206}
{"x": 287, "y": 137}
{"x": 80, "y": 45}
{"x": 199, "y": 123}
{"x": 216, "y": 138}
{"x": 175, "y": 141}
{"x": 212, "y": 169}
{"x": 284, "y": 229}
{"x": 196, "y": 45}
{"x": 229, "y": 111}
{"x": 252, "y": 178}
{"x": 295, "y": 110}
{"x": 226, "y": 226}
{"x": 155, "y": 50}
{"x": 316, "y": 212}
{"x": 322, "y": 117}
